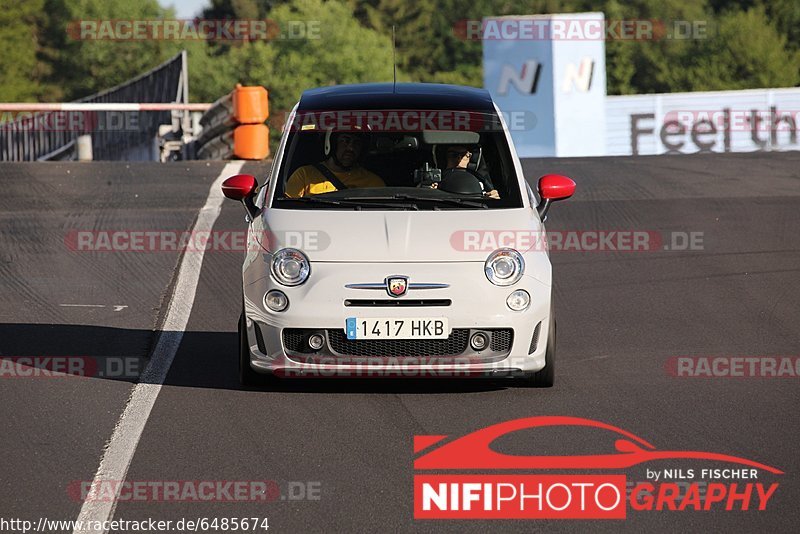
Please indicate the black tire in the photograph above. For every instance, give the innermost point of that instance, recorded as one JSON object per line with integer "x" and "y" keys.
{"x": 546, "y": 376}
{"x": 247, "y": 377}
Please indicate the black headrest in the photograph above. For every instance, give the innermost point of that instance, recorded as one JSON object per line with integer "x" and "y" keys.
{"x": 475, "y": 160}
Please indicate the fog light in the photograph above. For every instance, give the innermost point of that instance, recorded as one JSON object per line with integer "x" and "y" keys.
{"x": 315, "y": 341}
{"x": 518, "y": 300}
{"x": 478, "y": 341}
{"x": 276, "y": 301}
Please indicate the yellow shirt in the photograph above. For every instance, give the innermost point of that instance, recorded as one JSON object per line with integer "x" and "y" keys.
{"x": 307, "y": 180}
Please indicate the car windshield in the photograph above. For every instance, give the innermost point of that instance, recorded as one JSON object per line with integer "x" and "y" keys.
{"x": 397, "y": 160}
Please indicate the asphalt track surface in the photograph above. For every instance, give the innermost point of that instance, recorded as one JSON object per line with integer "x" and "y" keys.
{"x": 621, "y": 316}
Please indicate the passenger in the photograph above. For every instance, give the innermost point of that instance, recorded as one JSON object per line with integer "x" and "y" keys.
{"x": 340, "y": 170}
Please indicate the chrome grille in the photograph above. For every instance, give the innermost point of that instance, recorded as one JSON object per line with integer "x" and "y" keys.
{"x": 501, "y": 340}
{"x": 294, "y": 341}
{"x": 452, "y": 346}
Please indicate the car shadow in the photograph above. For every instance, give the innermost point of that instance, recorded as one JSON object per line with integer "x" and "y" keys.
{"x": 204, "y": 360}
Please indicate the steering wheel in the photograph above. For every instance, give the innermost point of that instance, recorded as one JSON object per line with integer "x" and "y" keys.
{"x": 447, "y": 172}
{"x": 461, "y": 181}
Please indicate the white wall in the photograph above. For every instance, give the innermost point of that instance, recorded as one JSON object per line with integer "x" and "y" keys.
{"x": 704, "y": 113}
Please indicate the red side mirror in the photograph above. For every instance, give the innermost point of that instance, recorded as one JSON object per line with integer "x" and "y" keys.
{"x": 555, "y": 187}
{"x": 239, "y": 186}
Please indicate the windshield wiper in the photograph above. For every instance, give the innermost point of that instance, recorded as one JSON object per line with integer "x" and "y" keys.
{"x": 312, "y": 199}
{"x": 441, "y": 200}
{"x": 348, "y": 202}
{"x": 462, "y": 202}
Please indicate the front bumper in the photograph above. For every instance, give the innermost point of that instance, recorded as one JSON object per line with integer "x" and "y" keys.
{"x": 277, "y": 342}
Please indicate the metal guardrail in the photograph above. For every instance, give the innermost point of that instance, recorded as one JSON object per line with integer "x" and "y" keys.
{"x": 51, "y": 134}
{"x": 65, "y": 153}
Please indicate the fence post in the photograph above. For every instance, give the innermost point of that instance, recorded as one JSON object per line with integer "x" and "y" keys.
{"x": 85, "y": 147}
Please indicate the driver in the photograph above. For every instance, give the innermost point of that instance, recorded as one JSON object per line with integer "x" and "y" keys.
{"x": 340, "y": 170}
{"x": 457, "y": 157}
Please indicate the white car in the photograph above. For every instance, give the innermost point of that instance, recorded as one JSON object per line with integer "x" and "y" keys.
{"x": 396, "y": 236}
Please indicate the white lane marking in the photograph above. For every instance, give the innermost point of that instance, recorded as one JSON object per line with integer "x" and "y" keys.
{"x": 122, "y": 445}
{"x": 117, "y": 307}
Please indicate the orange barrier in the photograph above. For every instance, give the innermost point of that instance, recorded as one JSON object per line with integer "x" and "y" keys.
{"x": 250, "y": 104}
{"x": 251, "y": 141}
{"x": 234, "y": 126}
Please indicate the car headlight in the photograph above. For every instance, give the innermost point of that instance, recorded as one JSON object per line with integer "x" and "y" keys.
{"x": 290, "y": 267}
{"x": 504, "y": 267}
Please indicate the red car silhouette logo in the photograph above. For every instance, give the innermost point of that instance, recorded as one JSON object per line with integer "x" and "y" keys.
{"x": 473, "y": 450}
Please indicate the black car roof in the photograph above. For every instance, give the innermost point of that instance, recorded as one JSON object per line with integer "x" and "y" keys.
{"x": 396, "y": 96}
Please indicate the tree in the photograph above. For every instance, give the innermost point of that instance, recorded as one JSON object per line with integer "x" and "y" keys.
{"x": 89, "y": 66}
{"x": 431, "y": 43}
{"x": 238, "y": 9}
{"x": 748, "y": 52}
{"x": 750, "y": 43}
{"x": 335, "y": 49}
{"x": 19, "y": 67}
{"x": 785, "y": 15}
{"x": 656, "y": 65}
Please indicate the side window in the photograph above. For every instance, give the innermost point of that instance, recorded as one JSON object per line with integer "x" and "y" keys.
{"x": 274, "y": 179}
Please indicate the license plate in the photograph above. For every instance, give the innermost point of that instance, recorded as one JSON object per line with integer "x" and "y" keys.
{"x": 397, "y": 328}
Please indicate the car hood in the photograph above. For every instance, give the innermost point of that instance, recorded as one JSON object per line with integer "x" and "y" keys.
{"x": 396, "y": 236}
